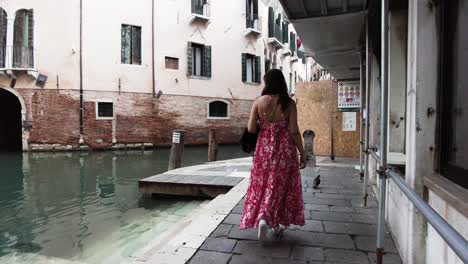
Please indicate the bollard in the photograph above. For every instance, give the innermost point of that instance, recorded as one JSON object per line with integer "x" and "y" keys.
{"x": 212, "y": 146}
{"x": 309, "y": 136}
{"x": 177, "y": 149}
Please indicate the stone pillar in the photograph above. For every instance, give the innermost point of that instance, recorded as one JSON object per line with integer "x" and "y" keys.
{"x": 9, "y": 41}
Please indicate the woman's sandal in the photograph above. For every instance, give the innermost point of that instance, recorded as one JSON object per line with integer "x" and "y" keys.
{"x": 278, "y": 232}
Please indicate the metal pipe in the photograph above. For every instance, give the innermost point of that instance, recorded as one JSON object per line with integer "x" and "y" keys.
{"x": 367, "y": 124}
{"x": 458, "y": 243}
{"x": 152, "y": 50}
{"x": 383, "y": 133}
{"x": 81, "y": 72}
{"x": 361, "y": 138}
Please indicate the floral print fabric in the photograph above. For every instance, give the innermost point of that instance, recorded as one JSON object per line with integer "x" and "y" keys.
{"x": 275, "y": 189}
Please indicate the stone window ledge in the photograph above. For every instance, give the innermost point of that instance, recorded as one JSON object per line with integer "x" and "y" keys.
{"x": 451, "y": 193}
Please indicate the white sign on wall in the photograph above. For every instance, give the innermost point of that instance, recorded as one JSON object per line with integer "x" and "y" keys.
{"x": 349, "y": 121}
{"x": 349, "y": 96}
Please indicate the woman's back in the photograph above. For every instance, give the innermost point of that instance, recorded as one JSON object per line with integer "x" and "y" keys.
{"x": 269, "y": 103}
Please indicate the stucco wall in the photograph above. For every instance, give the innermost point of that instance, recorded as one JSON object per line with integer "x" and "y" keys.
{"x": 317, "y": 104}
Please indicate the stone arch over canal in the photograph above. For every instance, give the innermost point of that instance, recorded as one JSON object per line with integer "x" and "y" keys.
{"x": 13, "y": 136}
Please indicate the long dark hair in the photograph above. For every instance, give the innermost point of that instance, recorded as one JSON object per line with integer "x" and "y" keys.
{"x": 275, "y": 84}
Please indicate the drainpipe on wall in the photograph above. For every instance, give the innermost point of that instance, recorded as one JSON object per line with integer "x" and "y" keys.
{"x": 152, "y": 49}
{"x": 81, "y": 73}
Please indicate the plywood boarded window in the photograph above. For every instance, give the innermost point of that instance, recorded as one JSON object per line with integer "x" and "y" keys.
{"x": 172, "y": 63}
{"x": 131, "y": 45}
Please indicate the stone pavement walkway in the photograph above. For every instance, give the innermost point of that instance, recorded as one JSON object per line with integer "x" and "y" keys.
{"x": 338, "y": 229}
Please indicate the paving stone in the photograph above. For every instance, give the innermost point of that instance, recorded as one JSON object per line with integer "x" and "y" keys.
{"x": 233, "y": 219}
{"x": 387, "y": 258}
{"x": 339, "y": 208}
{"x": 306, "y": 214}
{"x": 236, "y": 233}
{"x": 238, "y": 209}
{"x": 336, "y": 196}
{"x": 310, "y": 225}
{"x": 346, "y": 256}
{"x": 266, "y": 249}
{"x": 241, "y": 259}
{"x": 219, "y": 244}
{"x": 364, "y": 218}
{"x": 221, "y": 231}
{"x": 331, "y": 216}
{"x": 317, "y": 207}
{"x": 368, "y": 243}
{"x": 209, "y": 257}
{"x": 326, "y": 201}
{"x": 318, "y": 239}
{"x": 365, "y": 210}
{"x": 307, "y": 253}
{"x": 349, "y": 228}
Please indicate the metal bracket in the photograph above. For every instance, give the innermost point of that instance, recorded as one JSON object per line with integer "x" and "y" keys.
{"x": 382, "y": 171}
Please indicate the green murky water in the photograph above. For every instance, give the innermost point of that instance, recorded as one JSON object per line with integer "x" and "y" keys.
{"x": 86, "y": 206}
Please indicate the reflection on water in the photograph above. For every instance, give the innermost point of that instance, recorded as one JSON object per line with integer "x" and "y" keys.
{"x": 86, "y": 206}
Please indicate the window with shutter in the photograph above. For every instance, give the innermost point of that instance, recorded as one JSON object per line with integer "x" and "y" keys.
{"x": 130, "y": 45}
{"x": 267, "y": 65}
{"x": 285, "y": 32}
{"x": 23, "y": 39}
{"x": 251, "y": 68}
{"x": 271, "y": 22}
{"x": 199, "y": 60}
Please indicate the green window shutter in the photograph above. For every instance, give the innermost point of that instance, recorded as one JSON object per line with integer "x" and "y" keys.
{"x": 207, "y": 62}
{"x": 285, "y": 32}
{"x": 31, "y": 28}
{"x": 247, "y": 13}
{"x": 255, "y": 8}
{"x": 267, "y": 65}
{"x": 189, "y": 59}
{"x": 292, "y": 41}
{"x": 125, "y": 44}
{"x": 258, "y": 69}
{"x": 194, "y": 5}
{"x": 271, "y": 22}
{"x": 136, "y": 45}
{"x": 244, "y": 67}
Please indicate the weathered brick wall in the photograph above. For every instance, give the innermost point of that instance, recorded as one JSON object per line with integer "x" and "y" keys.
{"x": 317, "y": 105}
{"x": 138, "y": 119}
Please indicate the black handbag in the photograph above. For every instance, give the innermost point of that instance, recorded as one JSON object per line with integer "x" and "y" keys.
{"x": 249, "y": 140}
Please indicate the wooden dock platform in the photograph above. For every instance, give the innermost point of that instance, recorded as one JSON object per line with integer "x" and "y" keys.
{"x": 188, "y": 185}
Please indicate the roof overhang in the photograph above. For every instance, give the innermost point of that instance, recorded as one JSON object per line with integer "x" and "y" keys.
{"x": 332, "y": 32}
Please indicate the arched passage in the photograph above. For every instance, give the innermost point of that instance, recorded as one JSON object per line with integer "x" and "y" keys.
{"x": 10, "y": 122}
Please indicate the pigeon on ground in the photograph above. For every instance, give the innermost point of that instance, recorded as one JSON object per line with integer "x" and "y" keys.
{"x": 316, "y": 182}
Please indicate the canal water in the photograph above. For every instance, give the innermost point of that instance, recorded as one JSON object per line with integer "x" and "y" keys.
{"x": 85, "y": 206}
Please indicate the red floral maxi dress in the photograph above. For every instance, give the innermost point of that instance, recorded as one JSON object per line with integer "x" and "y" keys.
{"x": 275, "y": 190}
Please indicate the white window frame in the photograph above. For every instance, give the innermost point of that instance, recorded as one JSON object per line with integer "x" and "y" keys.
{"x": 96, "y": 105}
{"x": 228, "y": 117}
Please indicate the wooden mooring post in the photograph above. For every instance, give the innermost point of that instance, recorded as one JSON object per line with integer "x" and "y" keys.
{"x": 212, "y": 146}
{"x": 177, "y": 149}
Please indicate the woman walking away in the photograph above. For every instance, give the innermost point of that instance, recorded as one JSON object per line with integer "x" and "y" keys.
{"x": 274, "y": 196}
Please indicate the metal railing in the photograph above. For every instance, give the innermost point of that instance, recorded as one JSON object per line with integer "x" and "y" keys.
{"x": 201, "y": 9}
{"x": 456, "y": 242}
{"x": 254, "y": 21}
{"x": 275, "y": 31}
